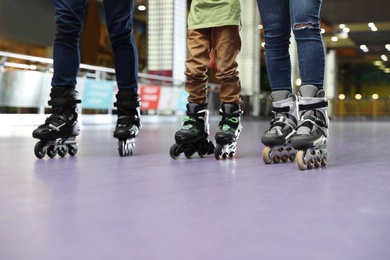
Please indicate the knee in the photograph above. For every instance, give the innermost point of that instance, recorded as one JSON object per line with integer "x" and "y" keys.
{"x": 68, "y": 25}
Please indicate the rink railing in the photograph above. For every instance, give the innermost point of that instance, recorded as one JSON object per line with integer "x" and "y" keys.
{"x": 25, "y": 83}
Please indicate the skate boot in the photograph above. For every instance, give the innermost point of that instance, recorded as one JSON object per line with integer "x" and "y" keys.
{"x": 311, "y": 137}
{"x": 58, "y": 133}
{"x": 128, "y": 122}
{"x": 192, "y": 136}
{"x": 283, "y": 126}
{"x": 228, "y": 131}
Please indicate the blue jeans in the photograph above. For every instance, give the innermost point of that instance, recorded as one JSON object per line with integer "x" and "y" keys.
{"x": 69, "y": 16}
{"x": 303, "y": 17}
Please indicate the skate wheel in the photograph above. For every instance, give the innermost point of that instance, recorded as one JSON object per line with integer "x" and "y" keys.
{"x": 300, "y": 160}
{"x": 211, "y": 148}
{"x": 72, "y": 149}
{"x": 188, "y": 155}
{"x": 276, "y": 159}
{"x": 203, "y": 149}
{"x": 292, "y": 157}
{"x": 323, "y": 162}
{"x": 266, "y": 155}
{"x": 174, "y": 152}
{"x": 125, "y": 148}
{"x": 51, "y": 151}
{"x": 231, "y": 155}
{"x": 39, "y": 151}
{"x": 62, "y": 151}
{"x": 284, "y": 158}
{"x": 218, "y": 152}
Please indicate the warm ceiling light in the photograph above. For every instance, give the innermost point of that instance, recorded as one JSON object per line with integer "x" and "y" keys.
{"x": 364, "y": 48}
{"x": 384, "y": 57}
{"x": 334, "y": 39}
{"x": 141, "y": 8}
{"x": 342, "y": 26}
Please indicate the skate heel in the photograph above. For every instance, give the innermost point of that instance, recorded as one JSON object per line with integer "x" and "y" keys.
{"x": 282, "y": 127}
{"x": 312, "y": 133}
{"x": 192, "y": 136}
{"x": 128, "y": 121}
{"x": 228, "y": 131}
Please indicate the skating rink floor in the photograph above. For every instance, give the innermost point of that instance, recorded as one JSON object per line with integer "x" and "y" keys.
{"x": 98, "y": 205}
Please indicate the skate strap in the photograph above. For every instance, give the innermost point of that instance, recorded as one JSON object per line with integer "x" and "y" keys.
{"x": 229, "y": 115}
{"x": 63, "y": 102}
{"x": 281, "y": 109}
{"x": 196, "y": 114}
{"x": 308, "y": 120}
{"x": 283, "y": 122}
{"x": 127, "y": 104}
{"x": 305, "y": 107}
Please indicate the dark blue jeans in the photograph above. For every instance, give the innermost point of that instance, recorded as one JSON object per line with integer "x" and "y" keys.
{"x": 69, "y": 16}
{"x": 303, "y": 17}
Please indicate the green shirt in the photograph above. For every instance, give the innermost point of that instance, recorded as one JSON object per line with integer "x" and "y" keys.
{"x": 214, "y": 13}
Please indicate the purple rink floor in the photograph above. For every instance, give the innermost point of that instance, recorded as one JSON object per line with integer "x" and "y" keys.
{"x": 98, "y": 205}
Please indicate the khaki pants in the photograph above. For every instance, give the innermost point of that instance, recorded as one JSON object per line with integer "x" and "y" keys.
{"x": 226, "y": 43}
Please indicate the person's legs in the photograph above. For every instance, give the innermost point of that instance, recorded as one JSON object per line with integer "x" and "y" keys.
{"x": 275, "y": 17}
{"x": 226, "y": 43}
{"x": 199, "y": 47}
{"x": 119, "y": 18}
{"x": 305, "y": 20}
{"x": 194, "y": 130}
{"x": 57, "y": 134}
{"x": 69, "y": 18}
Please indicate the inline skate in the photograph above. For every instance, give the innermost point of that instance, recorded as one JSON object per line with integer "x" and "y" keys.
{"x": 58, "y": 134}
{"x": 228, "y": 131}
{"x": 192, "y": 136}
{"x": 283, "y": 126}
{"x": 311, "y": 137}
{"x": 128, "y": 121}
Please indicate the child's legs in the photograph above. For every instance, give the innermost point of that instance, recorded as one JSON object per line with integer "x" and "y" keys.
{"x": 226, "y": 42}
{"x": 197, "y": 64}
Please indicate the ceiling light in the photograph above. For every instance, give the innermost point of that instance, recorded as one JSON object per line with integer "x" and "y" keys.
{"x": 334, "y": 38}
{"x": 141, "y": 8}
{"x": 342, "y": 26}
{"x": 384, "y": 57}
{"x": 358, "y": 96}
{"x": 387, "y": 46}
{"x": 378, "y": 63}
{"x": 371, "y": 25}
{"x": 341, "y": 96}
{"x": 364, "y": 48}
{"x": 374, "y": 29}
{"x": 375, "y": 96}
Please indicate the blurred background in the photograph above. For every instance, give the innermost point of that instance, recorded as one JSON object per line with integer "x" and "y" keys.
{"x": 356, "y": 34}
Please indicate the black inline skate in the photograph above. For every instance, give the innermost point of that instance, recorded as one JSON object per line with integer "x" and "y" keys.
{"x": 228, "y": 131}
{"x": 192, "y": 136}
{"x": 58, "y": 133}
{"x": 282, "y": 128}
{"x": 312, "y": 133}
{"x": 128, "y": 122}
